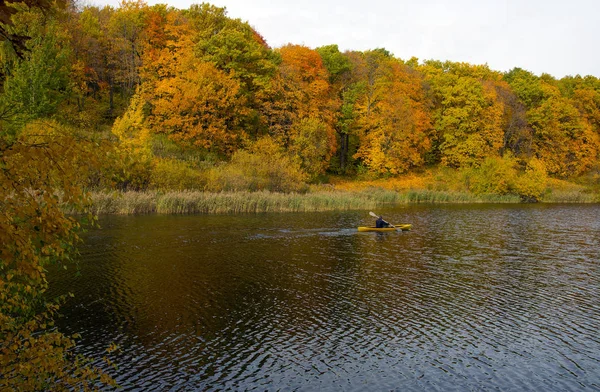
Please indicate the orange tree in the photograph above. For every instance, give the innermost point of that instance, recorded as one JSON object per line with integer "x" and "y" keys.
{"x": 303, "y": 121}
{"x": 391, "y": 117}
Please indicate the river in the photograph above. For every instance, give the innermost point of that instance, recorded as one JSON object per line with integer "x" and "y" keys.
{"x": 475, "y": 297}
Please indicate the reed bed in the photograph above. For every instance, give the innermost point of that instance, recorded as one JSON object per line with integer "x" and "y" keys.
{"x": 436, "y": 197}
{"x": 570, "y": 196}
{"x": 197, "y": 202}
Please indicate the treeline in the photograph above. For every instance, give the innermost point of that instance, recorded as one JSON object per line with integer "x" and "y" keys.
{"x": 195, "y": 99}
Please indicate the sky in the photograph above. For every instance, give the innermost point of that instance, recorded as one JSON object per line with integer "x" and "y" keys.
{"x": 542, "y": 36}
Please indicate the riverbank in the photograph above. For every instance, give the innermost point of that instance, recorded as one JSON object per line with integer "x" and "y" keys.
{"x": 338, "y": 195}
{"x": 197, "y": 202}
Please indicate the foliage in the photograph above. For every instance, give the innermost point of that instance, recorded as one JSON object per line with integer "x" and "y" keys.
{"x": 236, "y": 49}
{"x": 131, "y": 129}
{"x": 192, "y": 101}
{"x": 391, "y": 117}
{"x": 8, "y": 8}
{"x": 532, "y": 184}
{"x": 264, "y": 166}
{"x": 503, "y": 176}
{"x": 468, "y": 115}
{"x": 199, "y": 107}
{"x": 131, "y": 163}
{"x": 336, "y": 63}
{"x": 494, "y": 176}
{"x": 562, "y": 139}
{"x": 36, "y": 84}
{"x": 311, "y": 142}
{"x": 302, "y": 87}
{"x": 39, "y": 174}
{"x": 173, "y": 174}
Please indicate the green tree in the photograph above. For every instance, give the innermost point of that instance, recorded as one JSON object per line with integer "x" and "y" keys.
{"x": 38, "y": 83}
{"x": 468, "y": 114}
{"x": 526, "y": 86}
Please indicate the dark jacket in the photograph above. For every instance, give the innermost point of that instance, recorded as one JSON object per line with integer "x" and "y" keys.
{"x": 379, "y": 223}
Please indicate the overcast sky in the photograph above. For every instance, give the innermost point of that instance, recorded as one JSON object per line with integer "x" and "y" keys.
{"x": 542, "y": 36}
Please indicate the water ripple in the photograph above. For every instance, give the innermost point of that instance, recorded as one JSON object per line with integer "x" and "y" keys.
{"x": 474, "y": 298}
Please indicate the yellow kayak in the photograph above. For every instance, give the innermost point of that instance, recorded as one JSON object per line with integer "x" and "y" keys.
{"x": 404, "y": 227}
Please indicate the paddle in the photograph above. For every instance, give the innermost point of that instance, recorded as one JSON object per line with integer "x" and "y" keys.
{"x": 374, "y": 215}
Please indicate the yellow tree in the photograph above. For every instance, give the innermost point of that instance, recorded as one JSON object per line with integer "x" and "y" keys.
{"x": 40, "y": 173}
{"x": 126, "y": 27}
{"x": 562, "y": 117}
{"x": 392, "y": 116}
{"x": 468, "y": 114}
{"x": 563, "y": 140}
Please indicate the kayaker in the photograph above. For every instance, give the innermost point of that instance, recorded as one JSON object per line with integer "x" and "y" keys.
{"x": 380, "y": 223}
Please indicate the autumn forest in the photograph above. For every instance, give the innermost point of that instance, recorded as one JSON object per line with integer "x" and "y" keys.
{"x": 193, "y": 99}
{"x": 146, "y": 98}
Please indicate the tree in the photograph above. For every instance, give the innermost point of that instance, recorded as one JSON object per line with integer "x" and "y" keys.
{"x": 563, "y": 135}
{"x": 562, "y": 139}
{"x": 468, "y": 114}
{"x": 40, "y": 173}
{"x": 518, "y": 134}
{"x": 39, "y": 81}
{"x": 311, "y": 142}
{"x": 305, "y": 108}
{"x": 126, "y": 26}
{"x": 8, "y": 8}
{"x": 235, "y": 48}
{"x": 199, "y": 106}
{"x": 526, "y": 86}
{"x": 344, "y": 89}
{"x": 392, "y": 119}
{"x": 96, "y": 56}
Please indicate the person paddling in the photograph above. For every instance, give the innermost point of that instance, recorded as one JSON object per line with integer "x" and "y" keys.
{"x": 380, "y": 223}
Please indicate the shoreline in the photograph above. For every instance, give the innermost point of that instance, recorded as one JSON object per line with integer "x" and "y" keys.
{"x": 198, "y": 202}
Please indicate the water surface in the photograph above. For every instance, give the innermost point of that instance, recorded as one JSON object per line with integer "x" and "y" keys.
{"x": 476, "y": 297}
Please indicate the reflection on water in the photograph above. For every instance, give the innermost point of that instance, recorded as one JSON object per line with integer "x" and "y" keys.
{"x": 474, "y": 298}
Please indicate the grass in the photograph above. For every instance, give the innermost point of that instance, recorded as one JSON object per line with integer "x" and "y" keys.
{"x": 197, "y": 202}
{"x": 339, "y": 194}
{"x": 430, "y": 196}
{"x": 560, "y": 191}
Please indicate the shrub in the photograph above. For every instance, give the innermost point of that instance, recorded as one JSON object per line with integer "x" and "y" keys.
{"x": 532, "y": 184}
{"x": 172, "y": 174}
{"x": 496, "y": 175}
{"x": 264, "y": 166}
